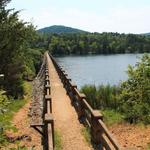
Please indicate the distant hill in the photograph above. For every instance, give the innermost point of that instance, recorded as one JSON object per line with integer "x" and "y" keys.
{"x": 146, "y": 33}
{"x": 60, "y": 29}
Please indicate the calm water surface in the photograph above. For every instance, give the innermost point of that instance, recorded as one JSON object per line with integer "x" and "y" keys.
{"x": 98, "y": 69}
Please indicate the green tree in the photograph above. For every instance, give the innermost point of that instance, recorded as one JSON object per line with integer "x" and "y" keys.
{"x": 135, "y": 94}
{"x": 16, "y": 38}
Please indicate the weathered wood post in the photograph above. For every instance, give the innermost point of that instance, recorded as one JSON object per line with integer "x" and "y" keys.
{"x": 65, "y": 80}
{"x": 63, "y": 76}
{"x": 67, "y": 85}
{"x": 81, "y": 110}
{"x": 72, "y": 93}
{"x": 48, "y": 101}
{"x": 49, "y": 131}
{"x": 95, "y": 128}
{"x": 47, "y": 89}
{"x": 47, "y": 80}
{"x": 60, "y": 71}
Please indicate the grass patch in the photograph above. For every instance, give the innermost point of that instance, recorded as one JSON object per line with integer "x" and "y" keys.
{"x": 21, "y": 148}
{"x": 86, "y": 133}
{"x": 12, "y": 108}
{"x": 57, "y": 140}
{"x": 112, "y": 117}
{"x": 148, "y": 147}
{"x": 7, "y": 116}
{"x": 5, "y": 119}
{"x": 27, "y": 89}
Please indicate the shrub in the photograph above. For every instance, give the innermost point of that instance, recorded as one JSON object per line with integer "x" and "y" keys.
{"x": 104, "y": 96}
{"x": 135, "y": 92}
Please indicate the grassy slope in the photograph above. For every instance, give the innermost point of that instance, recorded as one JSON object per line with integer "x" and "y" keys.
{"x": 12, "y": 108}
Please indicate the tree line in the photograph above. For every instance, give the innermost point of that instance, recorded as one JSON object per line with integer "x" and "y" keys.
{"x": 18, "y": 56}
{"x": 93, "y": 43}
{"x": 19, "y": 61}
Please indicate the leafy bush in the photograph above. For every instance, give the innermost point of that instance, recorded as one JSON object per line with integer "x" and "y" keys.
{"x": 135, "y": 92}
{"x": 3, "y": 102}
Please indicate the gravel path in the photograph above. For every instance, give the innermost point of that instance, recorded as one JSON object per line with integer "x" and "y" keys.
{"x": 66, "y": 120}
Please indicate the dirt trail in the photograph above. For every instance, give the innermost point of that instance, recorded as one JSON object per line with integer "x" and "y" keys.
{"x": 131, "y": 137}
{"x": 66, "y": 120}
{"x": 28, "y": 136}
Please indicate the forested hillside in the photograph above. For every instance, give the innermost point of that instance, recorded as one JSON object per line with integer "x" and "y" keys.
{"x": 60, "y": 29}
{"x": 146, "y": 34}
{"x": 94, "y": 43}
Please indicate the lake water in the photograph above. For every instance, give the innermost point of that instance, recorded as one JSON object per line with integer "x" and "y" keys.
{"x": 97, "y": 69}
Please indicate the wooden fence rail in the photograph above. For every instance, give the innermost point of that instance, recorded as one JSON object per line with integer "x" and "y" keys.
{"x": 46, "y": 124}
{"x": 100, "y": 135}
{"x": 48, "y": 117}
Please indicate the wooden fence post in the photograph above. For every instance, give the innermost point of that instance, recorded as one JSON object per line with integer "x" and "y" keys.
{"x": 95, "y": 129}
{"x": 74, "y": 86}
{"x": 67, "y": 87}
{"x": 48, "y": 108}
{"x": 81, "y": 110}
{"x": 49, "y": 132}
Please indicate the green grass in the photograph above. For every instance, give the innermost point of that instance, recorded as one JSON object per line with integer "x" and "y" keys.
{"x": 86, "y": 133}
{"x": 21, "y": 148}
{"x": 148, "y": 147}
{"x": 112, "y": 117}
{"x": 13, "y": 107}
{"x": 27, "y": 88}
{"x": 57, "y": 140}
{"x": 5, "y": 119}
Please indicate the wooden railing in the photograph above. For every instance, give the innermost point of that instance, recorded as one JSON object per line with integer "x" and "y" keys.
{"x": 48, "y": 117}
{"x": 42, "y": 119}
{"x": 93, "y": 119}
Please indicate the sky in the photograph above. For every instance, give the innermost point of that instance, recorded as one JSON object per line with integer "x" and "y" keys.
{"x": 123, "y": 16}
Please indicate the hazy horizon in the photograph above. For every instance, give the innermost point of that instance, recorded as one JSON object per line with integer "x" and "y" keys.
{"x": 93, "y": 16}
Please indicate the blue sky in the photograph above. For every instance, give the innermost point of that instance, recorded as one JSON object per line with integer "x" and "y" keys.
{"x": 124, "y": 16}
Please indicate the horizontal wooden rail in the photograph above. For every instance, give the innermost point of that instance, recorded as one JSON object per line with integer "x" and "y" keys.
{"x": 46, "y": 124}
{"x": 48, "y": 117}
{"x": 100, "y": 135}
